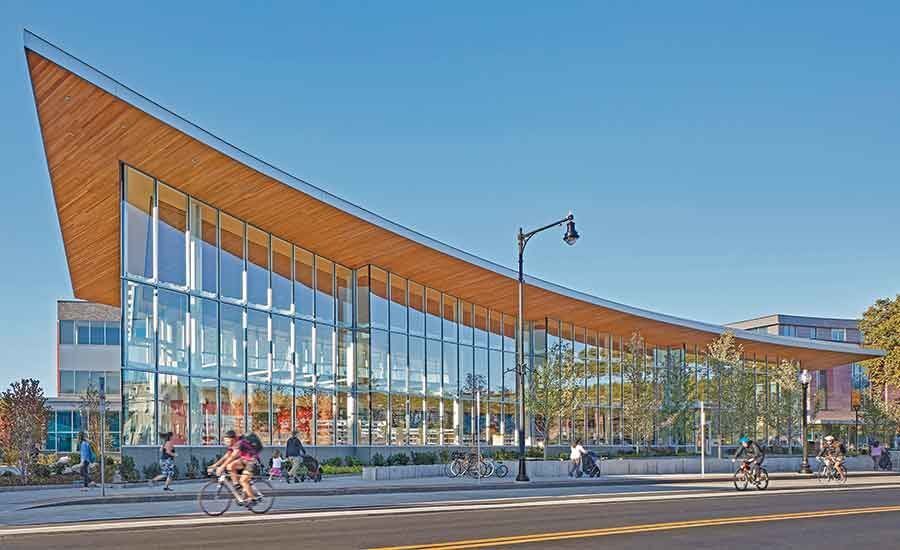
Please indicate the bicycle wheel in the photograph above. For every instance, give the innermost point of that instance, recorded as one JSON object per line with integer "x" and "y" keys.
{"x": 487, "y": 468}
{"x": 458, "y": 467}
{"x": 265, "y": 495}
{"x": 762, "y": 480}
{"x": 821, "y": 475}
{"x": 840, "y": 475}
{"x": 214, "y": 498}
{"x": 501, "y": 470}
{"x": 740, "y": 480}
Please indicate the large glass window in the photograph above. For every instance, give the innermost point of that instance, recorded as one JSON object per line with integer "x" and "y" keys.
{"x": 495, "y": 376}
{"x": 343, "y": 280}
{"x": 398, "y": 420}
{"x": 172, "y": 310}
{"x": 496, "y": 330}
{"x": 481, "y": 326}
{"x": 416, "y": 365}
{"x": 324, "y": 290}
{"x": 303, "y": 282}
{"x": 416, "y": 309}
{"x": 466, "y": 323}
{"x": 139, "y": 327}
{"x": 66, "y": 381}
{"x": 113, "y": 334}
{"x": 231, "y": 341}
{"x": 233, "y": 396}
{"x": 432, "y": 313}
{"x": 324, "y": 418}
{"x": 509, "y": 333}
{"x": 451, "y": 371}
{"x": 379, "y": 418}
{"x": 82, "y": 381}
{"x": 282, "y": 287}
{"x": 259, "y": 411}
{"x": 282, "y": 410}
{"x": 257, "y": 345}
{"x": 345, "y": 362}
{"x": 231, "y": 257}
{"x": 303, "y": 415}
{"x": 205, "y": 343}
{"x": 481, "y": 372}
{"x": 378, "y": 370}
{"x": 204, "y": 244}
{"x": 204, "y": 411}
{"x": 324, "y": 356}
{"x": 138, "y": 407}
{"x": 449, "y": 422}
{"x": 416, "y": 431}
{"x": 306, "y": 356}
{"x": 433, "y": 359}
{"x": 344, "y": 420}
{"x": 399, "y": 362}
{"x": 257, "y": 266}
{"x": 97, "y": 333}
{"x": 172, "y": 248}
{"x": 467, "y": 371}
{"x": 138, "y": 224}
{"x": 66, "y": 332}
{"x": 450, "y": 318}
{"x": 378, "y": 291}
{"x": 282, "y": 350}
{"x": 398, "y": 303}
{"x": 172, "y": 400}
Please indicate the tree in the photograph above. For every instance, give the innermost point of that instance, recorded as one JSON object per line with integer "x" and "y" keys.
{"x": 556, "y": 388}
{"x": 785, "y": 410}
{"x": 679, "y": 401}
{"x": 89, "y": 408}
{"x": 735, "y": 388}
{"x": 25, "y": 414}
{"x": 880, "y": 326}
{"x": 880, "y": 416}
{"x": 642, "y": 402}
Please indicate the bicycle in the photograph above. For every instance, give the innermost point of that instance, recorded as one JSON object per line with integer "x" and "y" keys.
{"x": 830, "y": 471}
{"x": 469, "y": 464}
{"x": 216, "y": 496}
{"x": 745, "y": 475}
{"x": 499, "y": 469}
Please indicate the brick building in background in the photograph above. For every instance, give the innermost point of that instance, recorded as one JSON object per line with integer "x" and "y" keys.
{"x": 832, "y": 391}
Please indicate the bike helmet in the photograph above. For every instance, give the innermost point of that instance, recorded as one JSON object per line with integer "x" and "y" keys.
{"x": 743, "y": 440}
{"x": 829, "y": 438}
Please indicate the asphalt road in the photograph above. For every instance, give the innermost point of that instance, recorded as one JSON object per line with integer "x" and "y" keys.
{"x": 800, "y": 518}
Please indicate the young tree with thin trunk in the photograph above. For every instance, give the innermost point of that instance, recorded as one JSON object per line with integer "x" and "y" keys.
{"x": 642, "y": 402}
{"x": 785, "y": 411}
{"x": 89, "y": 407}
{"x": 24, "y": 413}
{"x": 556, "y": 389}
{"x": 734, "y": 387}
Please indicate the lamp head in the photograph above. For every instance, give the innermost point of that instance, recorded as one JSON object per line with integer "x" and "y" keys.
{"x": 805, "y": 378}
{"x": 571, "y": 235}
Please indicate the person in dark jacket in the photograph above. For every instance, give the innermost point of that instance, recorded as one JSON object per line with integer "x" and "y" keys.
{"x": 751, "y": 453}
{"x": 294, "y": 452}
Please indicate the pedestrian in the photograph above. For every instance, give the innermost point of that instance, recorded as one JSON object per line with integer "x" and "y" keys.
{"x": 166, "y": 462}
{"x": 875, "y": 452}
{"x": 275, "y": 464}
{"x": 87, "y": 457}
{"x": 294, "y": 452}
{"x": 575, "y": 454}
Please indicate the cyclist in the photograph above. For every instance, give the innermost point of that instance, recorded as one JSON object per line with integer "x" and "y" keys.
{"x": 833, "y": 452}
{"x": 239, "y": 461}
{"x": 751, "y": 453}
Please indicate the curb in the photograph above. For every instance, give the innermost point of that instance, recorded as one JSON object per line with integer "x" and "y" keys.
{"x": 400, "y": 489}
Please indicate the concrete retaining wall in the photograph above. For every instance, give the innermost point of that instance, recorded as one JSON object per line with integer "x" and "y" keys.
{"x": 629, "y": 466}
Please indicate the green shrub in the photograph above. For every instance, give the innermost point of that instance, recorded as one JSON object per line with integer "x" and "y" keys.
{"x": 424, "y": 458}
{"x": 40, "y": 470}
{"x": 127, "y": 469}
{"x": 151, "y": 471}
{"x": 329, "y": 469}
{"x": 398, "y": 459}
{"x": 336, "y": 461}
{"x": 377, "y": 459}
{"x": 352, "y": 461}
{"x": 444, "y": 456}
{"x": 534, "y": 452}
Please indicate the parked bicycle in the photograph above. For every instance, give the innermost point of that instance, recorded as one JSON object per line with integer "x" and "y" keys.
{"x": 745, "y": 476}
{"x": 468, "y": 463}
{"x": 217, "y": 495}
{"x": 831, "y": 471}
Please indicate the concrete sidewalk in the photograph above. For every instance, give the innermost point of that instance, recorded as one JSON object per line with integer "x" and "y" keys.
{"x": 355, "y": 485}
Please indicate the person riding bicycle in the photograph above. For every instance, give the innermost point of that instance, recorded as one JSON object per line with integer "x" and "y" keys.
{"x": 239, "y": 461}
{"x": 752, "y": 454}
{"x": 833, "y": 452}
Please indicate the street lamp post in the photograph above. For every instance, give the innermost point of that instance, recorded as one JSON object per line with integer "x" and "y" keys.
{"x": 856, "y": 425}
{"x": 570, "y": 237}
{"x": 804, "y": 462}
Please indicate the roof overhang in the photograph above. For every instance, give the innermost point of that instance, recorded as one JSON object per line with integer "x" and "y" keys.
{"x": 91, "y": 123}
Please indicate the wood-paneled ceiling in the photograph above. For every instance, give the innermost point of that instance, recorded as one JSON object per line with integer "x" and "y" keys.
{"x": 88, "y": 131}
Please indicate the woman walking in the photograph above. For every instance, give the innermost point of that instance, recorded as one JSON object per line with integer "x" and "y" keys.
{"x": 166, "y": 462}
{"x": 577, "y": 451}
{"x": 87, "y": 456}
{"x": 875, "y": 451}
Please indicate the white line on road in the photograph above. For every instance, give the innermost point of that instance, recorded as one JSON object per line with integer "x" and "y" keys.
{"x": 568, "y": 501}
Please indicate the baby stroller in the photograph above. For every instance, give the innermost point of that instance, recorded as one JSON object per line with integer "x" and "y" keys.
{"x": 309, "y": 470}
{"x": 590, "y": 464}
{"x": 885, "y": 461}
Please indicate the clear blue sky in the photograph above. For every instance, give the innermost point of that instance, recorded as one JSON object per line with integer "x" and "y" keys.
{"x": 722, "y": 162}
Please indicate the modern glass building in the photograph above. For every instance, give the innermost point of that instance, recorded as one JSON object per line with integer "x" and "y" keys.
{"x": 254, "y": 301}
